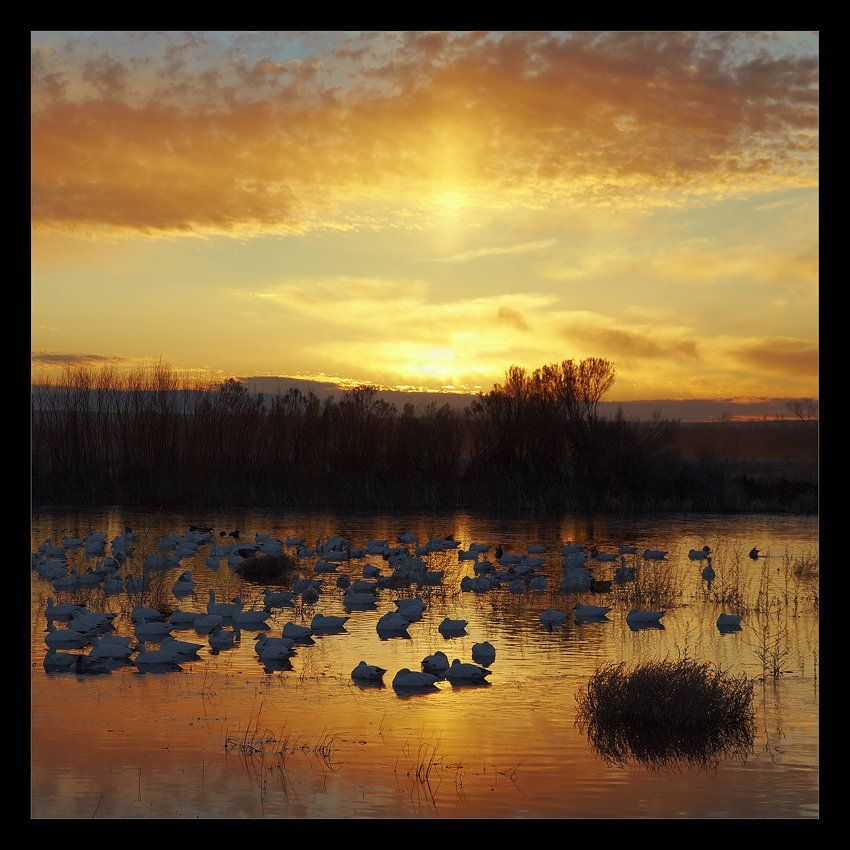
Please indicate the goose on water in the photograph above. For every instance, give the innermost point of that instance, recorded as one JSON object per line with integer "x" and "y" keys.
{"x": 451, "y": 627}
{"x": 410, "y": 608}
{"x": 182, "y": 647}
{"x": 152, "y": 631}
{"x": 273, "y": 648}
{"x": 224, "y": 609}
{"x": 550, "y": 617}
{"x": 277, "y": 598}
{"x": 140, "y": 611}
{"x": 327, "y": 624}
{"x": 436, "y": 664}
{"x": 64, "y": 637}
{"x": 729, "y": 622}
{"x": 205, "y": 623}
{"x": 248, "y": 618}
{"x": 483, "y": 653}
{"x": 182, "y": 619}
{"x": 109, "y": 649}
{"x": 466, "y": 672}
{"x": 412, "y": 680}
{"x": 220, "y": 638}
{"x": 62, "y": 612}
{"x": 368, "y": 672}
{"x": 296, "y": 632}
{"x": 86, "y": 622}
{"x": 587, "y": 612}
{"x": 62, "y": 662}
{"x": 392, "y": 624}
{"x": 638, "y": 616}
{"x": 155, "y": 656}
{"x": 359, "y": 600}
{"x": 184, "y": 586}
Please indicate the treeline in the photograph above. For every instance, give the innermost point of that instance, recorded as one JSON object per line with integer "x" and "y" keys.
{"x": 536, "y": 441}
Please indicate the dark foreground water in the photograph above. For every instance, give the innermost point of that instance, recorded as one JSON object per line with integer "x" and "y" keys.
{"x": 225, "y": 738}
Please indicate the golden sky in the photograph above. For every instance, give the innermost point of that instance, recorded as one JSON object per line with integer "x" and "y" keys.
{"x": 424, "y": 209}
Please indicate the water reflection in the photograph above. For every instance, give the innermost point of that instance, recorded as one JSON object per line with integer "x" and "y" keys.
{"x": 172, "y": 724}
{"x": 668, "y": 749}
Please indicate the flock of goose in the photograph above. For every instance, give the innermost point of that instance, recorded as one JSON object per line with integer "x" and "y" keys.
{"x": 223, "y": 621}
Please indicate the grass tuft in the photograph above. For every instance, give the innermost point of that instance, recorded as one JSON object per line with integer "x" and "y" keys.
{"x": 667, "y": 714}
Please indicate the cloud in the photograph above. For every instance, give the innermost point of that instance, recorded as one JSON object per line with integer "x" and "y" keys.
{"x": 57, "y": 359}
{"x": 512, "y": 317}
{"x": 644, "y": 344}
{"x": 780, "y": 356}
{"x": 496, "y": 251}
{"x": 216, "y": 134}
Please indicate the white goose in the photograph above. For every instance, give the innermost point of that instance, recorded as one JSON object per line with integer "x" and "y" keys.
{"x": 62, "y": 662}
{"x": 550, "y": 617}
{"x": 109, "y": 649}
{"x": 250, "y": 617}
{"x": 64, "y": 637}
{"x": 589, "y": 612}
{"x": 450, "y": 628}
{"x": 637, "y": 616}
{"x": 220, "y": 638}
{"x": 391, "y": 624}
{"x": 368, "y": 672}
{"x": 729, "y": 622}
{"x": 436, "y": 664}
{"x": 184, "y": 586}
{"x": 223, "y": 609}
{"x": 273, "y": 648}
{"x": 152, "y": 631}
{"x": 411, "y": 680}
{"x": 296, "y": 632}
{"x": 154, "y": 656}
{"x": 205, "y": 623}
{"x": 181, "y": 647}
{"x": 62, "y": 612}
{"x": 466, "y": 672}
{"x": 321, "y": 623}
{"x": 483, "y": 653}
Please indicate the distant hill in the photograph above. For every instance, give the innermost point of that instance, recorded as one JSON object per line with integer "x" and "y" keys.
{"x": 686, "y": 410}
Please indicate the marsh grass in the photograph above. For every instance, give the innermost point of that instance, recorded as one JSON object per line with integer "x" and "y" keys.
{"x": 156, "y": 594}
{"x": 656, "y": 585}
{"x": 268, "y": 569}
{"x": 771, "y": 645}
{"x": 666, "y": 715}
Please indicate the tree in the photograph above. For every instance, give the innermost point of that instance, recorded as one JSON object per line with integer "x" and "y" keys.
{"x": 805, "y": 409}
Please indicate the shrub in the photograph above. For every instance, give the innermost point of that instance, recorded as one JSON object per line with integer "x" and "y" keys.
{"x": 268, "y": 569}
{"x": 667, "y": 714}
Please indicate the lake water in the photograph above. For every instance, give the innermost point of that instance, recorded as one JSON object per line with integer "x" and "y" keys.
{"x": 175, "y": 745}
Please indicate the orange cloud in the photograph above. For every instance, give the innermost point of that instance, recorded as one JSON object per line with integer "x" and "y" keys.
{"x": 781, "y": 356}
{"x": 189, "y": 138}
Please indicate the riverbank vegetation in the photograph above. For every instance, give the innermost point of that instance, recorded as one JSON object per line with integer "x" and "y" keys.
{"x": 536, "y": 441}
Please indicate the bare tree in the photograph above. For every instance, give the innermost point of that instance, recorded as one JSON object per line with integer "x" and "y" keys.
{"x": 805, "y": 409}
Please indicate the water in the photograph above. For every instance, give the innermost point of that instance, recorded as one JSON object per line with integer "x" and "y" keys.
{"x": 133, "y": 744}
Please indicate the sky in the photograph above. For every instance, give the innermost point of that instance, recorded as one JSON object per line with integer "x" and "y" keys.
{"x": 422, "y": 210}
